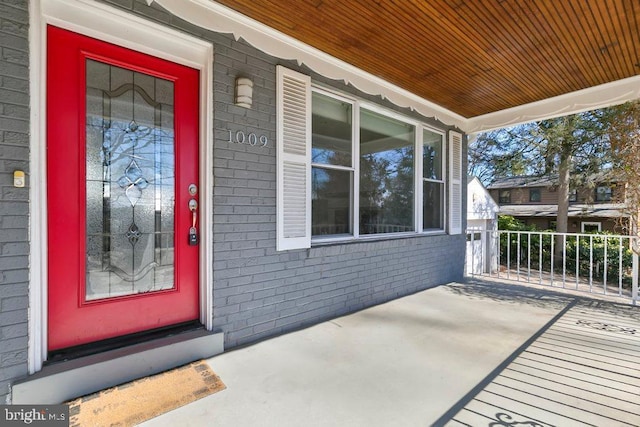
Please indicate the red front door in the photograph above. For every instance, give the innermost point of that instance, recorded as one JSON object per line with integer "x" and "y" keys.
{"x": 122, "y": 175}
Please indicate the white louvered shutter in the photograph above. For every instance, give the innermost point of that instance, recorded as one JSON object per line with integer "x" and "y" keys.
{"x": 455, "y": 183}
{"x": 294, "y": 160}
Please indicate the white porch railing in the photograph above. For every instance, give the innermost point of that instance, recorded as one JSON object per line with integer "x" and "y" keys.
{"x": 594, "y": 263}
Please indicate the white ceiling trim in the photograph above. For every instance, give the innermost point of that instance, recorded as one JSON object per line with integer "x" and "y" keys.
{"x": 601, "y": 96}
{"x": 218, "y": 18}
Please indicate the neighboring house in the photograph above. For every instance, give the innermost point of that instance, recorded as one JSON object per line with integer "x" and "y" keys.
{"x": 178, "y": 179}
{"x": 482, "y": 218}
{"x": 534, "y": 201}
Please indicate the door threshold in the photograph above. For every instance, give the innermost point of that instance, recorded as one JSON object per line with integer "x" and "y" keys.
{"x": 68, "y": 379}
{"x": 103, "y": 346}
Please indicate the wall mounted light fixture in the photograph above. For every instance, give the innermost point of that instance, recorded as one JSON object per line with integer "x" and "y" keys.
{"x": 244, "y": 92}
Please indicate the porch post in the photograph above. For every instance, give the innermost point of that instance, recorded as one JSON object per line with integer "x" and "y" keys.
{"x": 634, "y": 245}
{"x": 634, "y": 280}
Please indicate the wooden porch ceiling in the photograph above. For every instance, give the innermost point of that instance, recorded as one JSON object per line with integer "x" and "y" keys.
{"x": 472, "y": 57}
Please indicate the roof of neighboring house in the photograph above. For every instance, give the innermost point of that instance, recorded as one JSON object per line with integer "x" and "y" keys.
{"x": 545, "y": 180}
{"x": 523, "y": 181}
{"x": 601, "y": 210}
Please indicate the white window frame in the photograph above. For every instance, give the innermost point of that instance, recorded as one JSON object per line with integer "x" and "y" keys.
{"x": 590, "y": 223}
{"x": 355, "y": 151}
{"x": 357, "y": 105}
{"x": 443, "y": 180}
{"x": 417, "y": 165}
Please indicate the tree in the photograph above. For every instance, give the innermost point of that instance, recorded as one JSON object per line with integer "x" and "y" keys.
{"x": 570, "y": 147}
{"x": 493, "y": 155}
{"x": 623, "y": 127}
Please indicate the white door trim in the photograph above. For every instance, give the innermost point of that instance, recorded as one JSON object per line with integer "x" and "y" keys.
{"x": 125, "y": 29}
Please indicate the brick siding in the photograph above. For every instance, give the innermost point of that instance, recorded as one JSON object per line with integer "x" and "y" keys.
{"x": 14, "y": 206}
{"x": 258, "y": 292}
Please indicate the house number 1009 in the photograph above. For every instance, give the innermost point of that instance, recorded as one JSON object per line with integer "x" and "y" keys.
{"x": 250, "y": 138}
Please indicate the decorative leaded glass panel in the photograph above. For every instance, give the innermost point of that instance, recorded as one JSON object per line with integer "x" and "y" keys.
{"x": 130, "y": 182}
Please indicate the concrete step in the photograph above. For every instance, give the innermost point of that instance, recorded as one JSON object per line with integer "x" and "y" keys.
{"x": 67, "y": 380}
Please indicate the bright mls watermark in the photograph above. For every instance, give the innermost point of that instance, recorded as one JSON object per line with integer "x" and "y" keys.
{"x": 34, "y": 415}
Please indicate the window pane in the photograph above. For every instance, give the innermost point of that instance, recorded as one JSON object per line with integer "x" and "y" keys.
{"x": 432, "y": 155}
{"x": 603, "y": 194}
{"x": 331, "y": 129}
{"x": 504, "y": 197}
{"x": 534, "y": 195}
{"x": 591, "y": 227}
{"x": 433, "y": 206}
{"x": 386, "y": 174}
{"x": 331, "y": 201}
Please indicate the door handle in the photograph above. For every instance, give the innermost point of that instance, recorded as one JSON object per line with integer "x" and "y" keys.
{"x": 193, "y": 232}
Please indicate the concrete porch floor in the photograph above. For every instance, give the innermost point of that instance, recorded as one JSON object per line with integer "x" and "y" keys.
{"x": 477, "y": 354}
